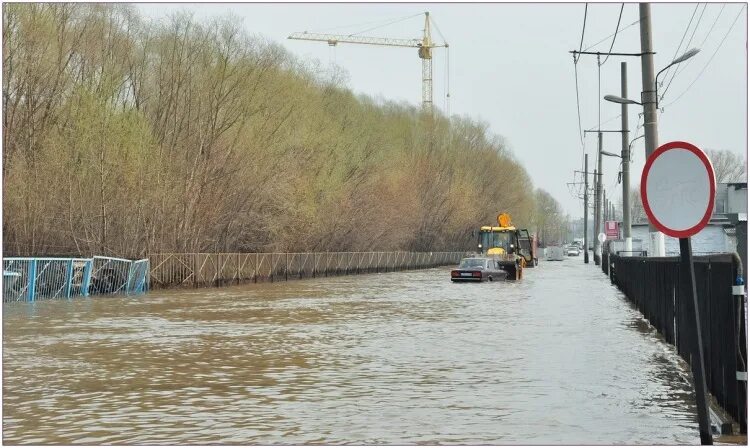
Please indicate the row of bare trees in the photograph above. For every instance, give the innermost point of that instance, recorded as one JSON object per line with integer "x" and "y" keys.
{"x": 124, "y": 136}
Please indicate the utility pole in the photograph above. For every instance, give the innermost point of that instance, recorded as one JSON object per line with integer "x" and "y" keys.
{"x": 626, "y": 225}
{"x": 605, "y": 207}
{"x": 648, "y": 98}
{"x": 586, "y": 209}
{"x": 598, "y": 202}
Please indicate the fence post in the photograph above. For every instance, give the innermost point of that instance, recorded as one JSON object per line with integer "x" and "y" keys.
{"x": 69, "y": 279}
{"x": 217, "y": 268}
{"x": 131, "y": 271}
{"x": 147, "y": 280}
{"x": 87, "y": 276}
{"x": 31, "y": 275}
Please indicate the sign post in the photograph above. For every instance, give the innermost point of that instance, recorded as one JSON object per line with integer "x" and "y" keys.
{"x": 678, "y": 190}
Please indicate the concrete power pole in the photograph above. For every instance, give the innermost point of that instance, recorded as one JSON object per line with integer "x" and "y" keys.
{"x": 626, "y": 224}
{"x": 598, "y": 203}
{"x": 656, "y": 238}
{"x": 586, "y": 209}
{"x": 605, "y": 206}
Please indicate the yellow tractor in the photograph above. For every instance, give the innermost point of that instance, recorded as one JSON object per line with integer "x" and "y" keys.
{"x": 503, "y": 243}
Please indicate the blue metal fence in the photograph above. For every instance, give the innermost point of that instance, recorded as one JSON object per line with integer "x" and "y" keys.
{"x": 29, "y": 279}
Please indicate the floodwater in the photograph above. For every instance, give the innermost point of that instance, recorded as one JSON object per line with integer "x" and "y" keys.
{"x": 396, "y": 358}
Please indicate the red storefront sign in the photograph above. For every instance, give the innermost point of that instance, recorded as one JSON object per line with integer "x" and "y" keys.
{"x": 612, "y": 229}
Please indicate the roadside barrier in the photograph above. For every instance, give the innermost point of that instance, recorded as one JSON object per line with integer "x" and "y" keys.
{"x": 217, "y": 269}
{"x": 653, "y": 285}
{"x": 29, "y": 279}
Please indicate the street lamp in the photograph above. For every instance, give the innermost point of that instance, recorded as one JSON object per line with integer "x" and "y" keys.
{"x": 684, "y": 57}
{"x": 618, "y": 100}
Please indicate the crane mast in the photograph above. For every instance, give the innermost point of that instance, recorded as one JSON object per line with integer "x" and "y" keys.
{"x": 424, "y": 46}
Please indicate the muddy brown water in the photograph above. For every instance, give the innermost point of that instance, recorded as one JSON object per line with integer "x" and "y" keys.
{"x": 395, "y": 358}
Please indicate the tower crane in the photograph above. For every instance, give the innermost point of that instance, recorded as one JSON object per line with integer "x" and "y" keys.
{"x": 424, "y": 46}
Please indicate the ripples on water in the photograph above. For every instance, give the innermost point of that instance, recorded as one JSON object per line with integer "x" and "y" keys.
{"x": 397, "y": 358}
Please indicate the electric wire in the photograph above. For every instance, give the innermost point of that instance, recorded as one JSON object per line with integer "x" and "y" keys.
{"x": 599, "y": 93}
{"x": 583, "y": 31}
{"x": 578, "y": 104}
{"x": 674, "y": 73}
{"x": 607, "y": 38}
{"x": 608, "y": 120}
{"x": 703, "y": 43}
{"x": 615, "y": 35}
{"x": 687, "y": 28}
{"x": 711, "y": 59}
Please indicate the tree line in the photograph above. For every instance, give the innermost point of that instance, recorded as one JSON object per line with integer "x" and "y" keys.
{"x": 125, "y": 136}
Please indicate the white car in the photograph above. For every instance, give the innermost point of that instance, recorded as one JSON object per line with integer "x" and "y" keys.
{"x": 573, "y": 251}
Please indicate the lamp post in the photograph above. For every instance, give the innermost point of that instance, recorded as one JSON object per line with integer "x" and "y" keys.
{"x": 651, "y": 134}
{"x": 598, "y": 190}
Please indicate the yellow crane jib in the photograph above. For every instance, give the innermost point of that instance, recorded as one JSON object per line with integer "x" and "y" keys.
{"x": 424, "y": 48}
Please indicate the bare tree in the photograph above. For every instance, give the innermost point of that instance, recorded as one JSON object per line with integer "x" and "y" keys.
{"x": 728, "y": 166}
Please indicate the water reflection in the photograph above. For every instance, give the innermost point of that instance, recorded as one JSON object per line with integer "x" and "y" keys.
{"x": 377, "y": 359}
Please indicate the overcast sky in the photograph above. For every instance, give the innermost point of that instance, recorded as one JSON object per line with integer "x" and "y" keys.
{"x": 510, "y": 67}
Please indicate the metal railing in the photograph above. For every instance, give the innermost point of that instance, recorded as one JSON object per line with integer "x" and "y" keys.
{"x": 30, "y": 279}
{"x": 216, "y": 269}
{"x": 653, "y": 285}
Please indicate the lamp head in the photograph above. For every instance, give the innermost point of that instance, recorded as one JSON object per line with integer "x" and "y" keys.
{"x": 687, "y": 55}
{"x": 619, "y": 100}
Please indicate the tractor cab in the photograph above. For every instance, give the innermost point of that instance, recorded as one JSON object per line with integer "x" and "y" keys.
{"x": 503, "y": 242}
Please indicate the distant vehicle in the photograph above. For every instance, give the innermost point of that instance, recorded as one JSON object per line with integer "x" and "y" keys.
{"x": 573, "y": 250}
{"x": 478, "y": 269}
{"x": 555, "y": 253}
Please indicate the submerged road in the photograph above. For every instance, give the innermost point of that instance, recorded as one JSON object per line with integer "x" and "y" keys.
{"x": 397, "y": 358}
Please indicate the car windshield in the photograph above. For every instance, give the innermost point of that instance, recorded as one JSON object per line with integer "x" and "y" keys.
{"x": 472, "y": 263}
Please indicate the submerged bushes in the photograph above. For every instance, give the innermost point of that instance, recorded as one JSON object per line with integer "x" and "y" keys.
{"x": 123, "y": 136}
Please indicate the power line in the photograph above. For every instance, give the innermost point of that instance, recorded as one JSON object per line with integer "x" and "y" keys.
{"x": 615, "y": 35}
{"x": 711, "y": 59}
{"x": 697, "y": 24}
{"x": 608, "y": 120}
{"x": 585, "y": 13}
{"x": 607, "y": 38}
{"x": 687, "y": 28}
{"x": 578, "y": 104}
{"x": 578, "y": 101}
{"x": 687, "y": 63}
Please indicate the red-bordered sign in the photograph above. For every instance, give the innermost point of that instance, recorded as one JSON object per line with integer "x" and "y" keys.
{"x": 682, "y": 188}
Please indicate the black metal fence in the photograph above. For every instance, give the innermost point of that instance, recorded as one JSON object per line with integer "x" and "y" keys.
{"x": 653, "y": 285}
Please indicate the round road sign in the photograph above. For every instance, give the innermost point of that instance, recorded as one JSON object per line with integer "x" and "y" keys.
{"x": 678, "y": 189}
{"x": 602, "y": 237}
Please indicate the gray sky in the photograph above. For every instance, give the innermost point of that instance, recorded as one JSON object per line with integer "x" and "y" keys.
{"x": 510, "y": 67}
